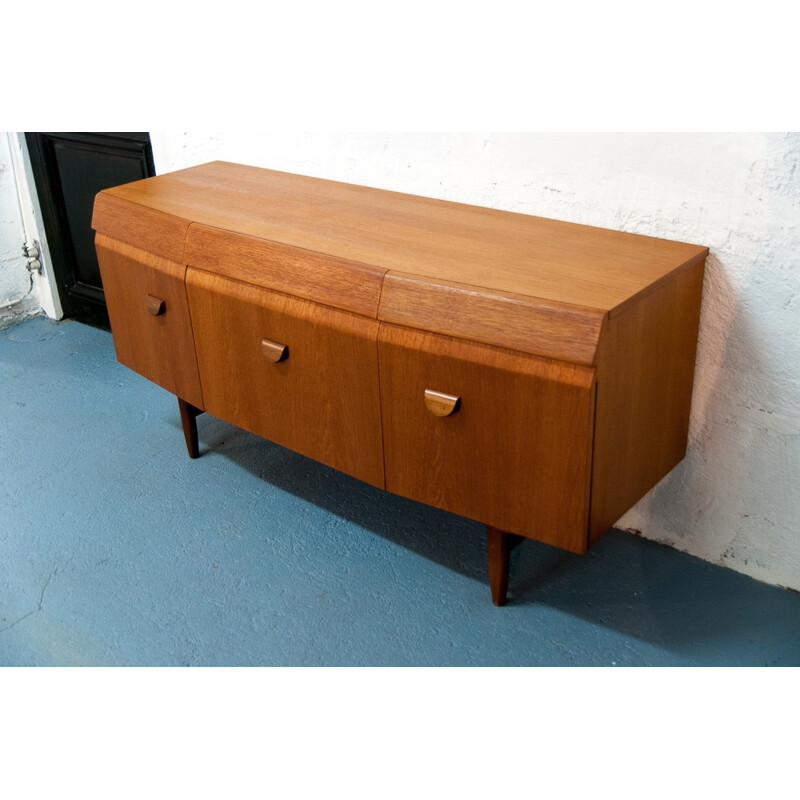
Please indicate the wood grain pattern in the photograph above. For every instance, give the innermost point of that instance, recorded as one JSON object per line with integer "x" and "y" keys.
{"x": 140, "y": 226}
{"x": 159, "y": 347}
{"x": 451, "y": 242}
{"x": 517, "y": 454}
{"x": 645, "y": 373}
{"x": 323, "y": 279}
{"x": 520, "y": 323}
{"x": 321, "y": 401}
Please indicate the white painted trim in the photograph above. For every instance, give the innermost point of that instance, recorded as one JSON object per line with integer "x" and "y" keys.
{"x": 31, "y": 212}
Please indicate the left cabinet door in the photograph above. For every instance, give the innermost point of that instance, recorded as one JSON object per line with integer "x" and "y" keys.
{"x": 299, "y": 373}
{"x": 149, "y": 316}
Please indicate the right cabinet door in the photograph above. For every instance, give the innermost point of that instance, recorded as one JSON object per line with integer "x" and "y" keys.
{"x": 497, "y": 436}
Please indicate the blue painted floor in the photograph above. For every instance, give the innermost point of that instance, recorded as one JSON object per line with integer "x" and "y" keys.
{"x": 117, "y": 549}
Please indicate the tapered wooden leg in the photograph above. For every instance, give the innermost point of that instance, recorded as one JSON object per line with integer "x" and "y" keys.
{"x": 189, "y": 421}
{"x": 499, "y": 545}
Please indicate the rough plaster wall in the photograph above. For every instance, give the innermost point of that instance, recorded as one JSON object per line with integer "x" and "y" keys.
{"x": 18, "y": 295}
{"x": 734, "y": 500}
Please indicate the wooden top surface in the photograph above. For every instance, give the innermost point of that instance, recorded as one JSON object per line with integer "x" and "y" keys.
{"x": 436, "y": 240}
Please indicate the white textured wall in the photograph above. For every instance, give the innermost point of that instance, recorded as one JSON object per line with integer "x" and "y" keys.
{"x": 735, "y": 499}
{"x": 22, "y": 294}
{"x": 18, "y": 296}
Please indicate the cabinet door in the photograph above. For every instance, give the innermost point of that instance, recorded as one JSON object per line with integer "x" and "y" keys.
{"x": 496, "y": 436}
{"x": 149, "y": 316}
{"x": 299, "y": 373}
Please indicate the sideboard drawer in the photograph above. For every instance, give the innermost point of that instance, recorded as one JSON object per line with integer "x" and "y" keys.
{"x": 148, "y": 312}
{"x": 501, "y": 437}
{"x": 299, "y": 373}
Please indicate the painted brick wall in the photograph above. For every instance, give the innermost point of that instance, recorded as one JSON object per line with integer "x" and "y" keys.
{"x": 735, "y": 499}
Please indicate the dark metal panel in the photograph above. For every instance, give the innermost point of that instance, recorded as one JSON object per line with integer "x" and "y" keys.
{"x": 69, "y": 170}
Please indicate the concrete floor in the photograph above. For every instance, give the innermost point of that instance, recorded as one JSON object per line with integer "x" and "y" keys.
{"x": 119, "y": 550}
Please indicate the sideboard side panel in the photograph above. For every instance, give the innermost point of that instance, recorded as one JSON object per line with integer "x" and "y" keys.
{"x": 645, "y": 373}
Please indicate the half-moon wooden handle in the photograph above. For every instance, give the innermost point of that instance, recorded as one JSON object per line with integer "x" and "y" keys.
{"x": 155, "y": 305}
{"x": 443, "y": 405}
{"x": 274, "y": 351}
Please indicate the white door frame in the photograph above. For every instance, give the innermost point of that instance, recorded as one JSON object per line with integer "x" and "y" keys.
{"x": 33, "y": 227}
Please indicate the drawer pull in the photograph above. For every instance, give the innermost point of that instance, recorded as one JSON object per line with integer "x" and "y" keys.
{"x": 443, "y": 405}
{"x": 274, "y": 351}
{"x": 155, "y": 305}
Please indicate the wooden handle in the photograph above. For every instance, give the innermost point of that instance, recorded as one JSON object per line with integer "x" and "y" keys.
{"x": 274, "y": 351}
{"x": 155, "y": 305}
{"x": 443, "y": 405}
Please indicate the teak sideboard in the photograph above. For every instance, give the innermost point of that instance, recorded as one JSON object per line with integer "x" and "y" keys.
{"x": 533, "y": 375}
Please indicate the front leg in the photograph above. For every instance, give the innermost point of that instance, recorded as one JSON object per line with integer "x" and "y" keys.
{"x": 499, "y": 546}
{"x": 189, "y": 421}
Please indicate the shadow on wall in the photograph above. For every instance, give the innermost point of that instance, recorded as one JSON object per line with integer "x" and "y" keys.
{"x": 627, "y": 584}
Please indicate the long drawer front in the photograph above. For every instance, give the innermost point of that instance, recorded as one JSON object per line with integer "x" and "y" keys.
{"x": 301, "y": 374}
{"x": 496, "y": 436}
